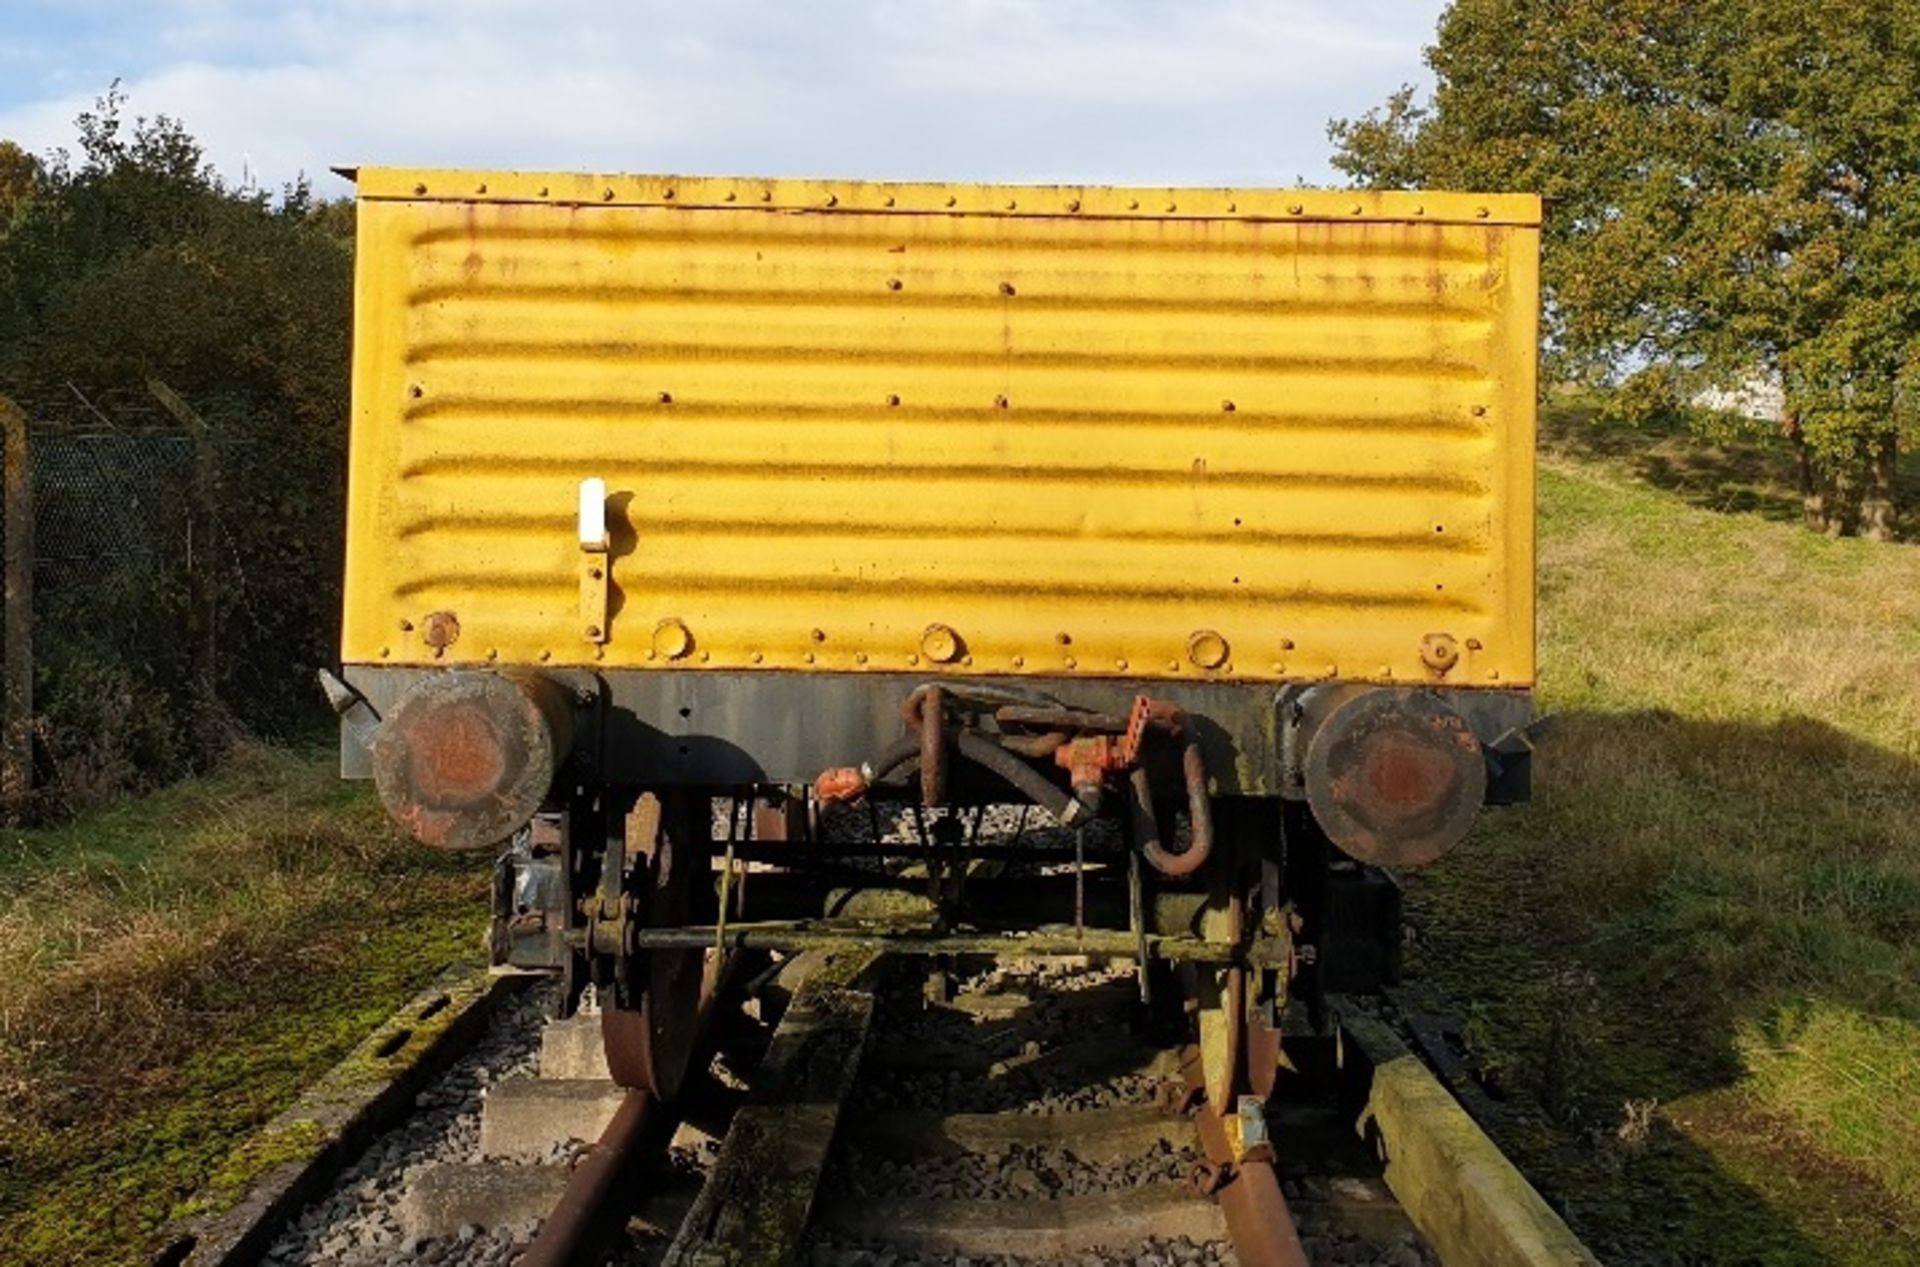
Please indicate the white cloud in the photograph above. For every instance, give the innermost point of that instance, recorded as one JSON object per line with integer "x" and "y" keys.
{"x": 1147, "y": 91}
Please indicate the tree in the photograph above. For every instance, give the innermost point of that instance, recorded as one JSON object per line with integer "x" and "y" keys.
{"x": 133, "y": 261}
{"x": 19, "y": 180}
{"x": 1733, "y": 191}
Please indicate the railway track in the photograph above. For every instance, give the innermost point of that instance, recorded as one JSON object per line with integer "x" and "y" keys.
{"x": 1029, "y": 1113}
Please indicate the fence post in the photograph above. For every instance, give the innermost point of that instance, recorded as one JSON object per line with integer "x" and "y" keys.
{"x": 203, "y": 635}
{"x": 16, "y": 664}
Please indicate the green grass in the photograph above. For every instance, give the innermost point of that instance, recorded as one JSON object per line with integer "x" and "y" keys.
{"x": 180, "y": 968}
{"x": 1714, "y": 900}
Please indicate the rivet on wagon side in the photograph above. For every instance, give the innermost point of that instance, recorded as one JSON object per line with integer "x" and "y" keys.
{"x": 893, "y": 398}
{"x": 666, "y": 398}
{"x": 1294, "y": 209}
{"x": 729, "y": 196}
{"x": 833, "y": 200}
{"x": 859, "y": 657}
{"x": 1006, "y": 288}
{"x": 887, "y": 201}
{"x": 667, "y": 194}
{"x": 1481, "y": 212}
{"x": 893, "y": 283}
{"x": 1439, "y": 652}
{"x": 606, "y": 195}
{"x": 952, "y": 201}
{"x": 941, "y": 643}
{"x": 1207, "y": 649}
{"x": 671, "y": 638}
{"x": 419, "y": 189}
{"x": 1073, "y": 204}
{"x": 1133, "y": 204}
{"x": 1227, "y": 406}
{"x": 480, "y": 188}
{"x": 1479, "y": 411}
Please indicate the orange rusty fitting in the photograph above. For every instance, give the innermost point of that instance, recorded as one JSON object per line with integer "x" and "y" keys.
{"x": 842, "y": 783}
{"x": 463, "y": 760}
{"x": 1087, "y": 761}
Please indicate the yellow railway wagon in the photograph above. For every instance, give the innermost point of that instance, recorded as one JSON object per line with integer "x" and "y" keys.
{"x": 1208, "y": 506}
{"x": 1186, "y": 434}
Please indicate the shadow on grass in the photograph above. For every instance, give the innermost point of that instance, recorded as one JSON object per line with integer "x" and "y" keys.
{"x": 1753, "y": 476}
{"x": 1719, "y": 918}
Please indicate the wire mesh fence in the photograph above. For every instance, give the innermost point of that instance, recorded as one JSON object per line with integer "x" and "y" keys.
{"x": 183, "y": 579}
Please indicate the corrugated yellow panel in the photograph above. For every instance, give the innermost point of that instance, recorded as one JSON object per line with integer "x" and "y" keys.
{"x": 1079, "y": 428}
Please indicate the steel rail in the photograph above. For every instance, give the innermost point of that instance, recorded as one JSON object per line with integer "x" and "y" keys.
{"x": 1262, "y": 1228}
{"x": 578, "y": 1217}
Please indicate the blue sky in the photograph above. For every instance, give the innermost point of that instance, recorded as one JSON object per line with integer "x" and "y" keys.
{"x": 1120, "y": 91}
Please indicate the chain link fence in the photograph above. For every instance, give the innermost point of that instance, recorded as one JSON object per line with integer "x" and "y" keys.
{"x": 184, "y": 576}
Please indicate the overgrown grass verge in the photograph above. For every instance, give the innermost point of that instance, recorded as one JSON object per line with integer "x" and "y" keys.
{"x": 1714, "y": 901}
{"x": 180, "y": 967}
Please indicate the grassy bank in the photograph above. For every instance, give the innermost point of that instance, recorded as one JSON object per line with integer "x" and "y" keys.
{"x": 179, "y": 968}
{"x": 1712, "y": 909}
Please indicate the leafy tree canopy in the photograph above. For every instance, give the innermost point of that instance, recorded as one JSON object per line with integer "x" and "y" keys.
{"x": 131, "y": 260}
{"x": 1733, "y": 191}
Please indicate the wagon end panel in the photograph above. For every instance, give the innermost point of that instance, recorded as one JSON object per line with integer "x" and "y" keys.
{"x": 1196, "y": 435}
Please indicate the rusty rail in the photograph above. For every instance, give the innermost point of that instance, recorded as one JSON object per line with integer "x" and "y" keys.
{"x": 1256, "y": 1211}
{"x": 583, "y": 1208}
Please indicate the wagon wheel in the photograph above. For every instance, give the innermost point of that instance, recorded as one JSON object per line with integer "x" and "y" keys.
{"x": 650, "y": 1023}
{"x": 1222, "y": 1019}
